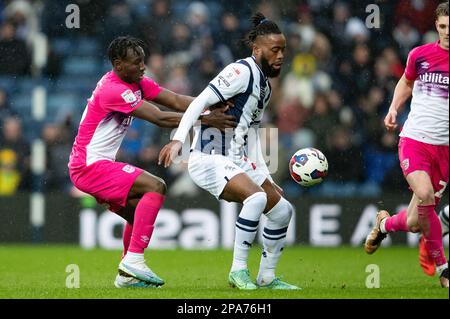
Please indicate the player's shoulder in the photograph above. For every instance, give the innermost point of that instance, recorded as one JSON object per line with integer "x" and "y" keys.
{"x": 238, "y": 69}
{"x": 234, "y": 74}
{"x": 111, "y": 83}
{"x": 422, "y": 49}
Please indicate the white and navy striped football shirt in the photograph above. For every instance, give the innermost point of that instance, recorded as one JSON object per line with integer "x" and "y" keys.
{"x": 245, "y": 84}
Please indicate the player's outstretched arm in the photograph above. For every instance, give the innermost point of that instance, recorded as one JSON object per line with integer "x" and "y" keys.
{"x": 180, "y": 103}
{"x": 402, "y": 92}
{"x": 173, "y": 101}
{"x": 153, "y": 114}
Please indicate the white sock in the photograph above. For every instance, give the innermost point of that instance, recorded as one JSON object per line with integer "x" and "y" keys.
{"x": 383, "y": 226}
{"x": 443, "y": 217}
{"x": 132, "y": 258}
{"x": 274, "y": 239}
{"x": 246, "y": 227}
{"x": 441, "y": 268}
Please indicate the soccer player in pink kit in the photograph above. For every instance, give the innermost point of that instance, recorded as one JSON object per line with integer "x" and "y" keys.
{"x": 423, "y": 146}
{"x": 136, "y": 195}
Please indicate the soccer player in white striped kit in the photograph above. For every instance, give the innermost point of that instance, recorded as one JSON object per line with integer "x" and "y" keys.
{"x": 219, "y": 162}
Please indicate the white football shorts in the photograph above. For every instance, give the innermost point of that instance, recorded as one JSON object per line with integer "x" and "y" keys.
{"x": 213, "y": 172}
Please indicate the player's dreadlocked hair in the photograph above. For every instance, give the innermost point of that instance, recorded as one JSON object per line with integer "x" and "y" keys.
{"x": 118, "y": 48}
{"x": 261, "y": 26}
{"x": 442, "y": 10}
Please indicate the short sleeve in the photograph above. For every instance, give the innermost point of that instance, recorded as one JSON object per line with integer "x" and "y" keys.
{"x": 119, "y": 98}
{"x": 410, "y": 70}
{"x": 151, "y": 88}
{"x": 232, "y": 80}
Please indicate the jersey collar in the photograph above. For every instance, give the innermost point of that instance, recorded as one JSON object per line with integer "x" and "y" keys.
{"x": 254, "y": 60}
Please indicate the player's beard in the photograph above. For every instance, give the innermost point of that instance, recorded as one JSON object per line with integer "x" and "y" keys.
{"x": 268, "y": 70}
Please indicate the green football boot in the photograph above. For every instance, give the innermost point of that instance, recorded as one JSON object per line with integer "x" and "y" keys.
{"x": 241, "y": 280}
{"x": 277, "y": 284}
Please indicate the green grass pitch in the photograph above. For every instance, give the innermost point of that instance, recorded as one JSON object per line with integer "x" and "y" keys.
{"x": 324, "y": 273}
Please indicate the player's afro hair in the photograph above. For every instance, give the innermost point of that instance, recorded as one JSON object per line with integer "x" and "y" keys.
{"x": 118, "y": 47}
{"x": 261, "y": 26}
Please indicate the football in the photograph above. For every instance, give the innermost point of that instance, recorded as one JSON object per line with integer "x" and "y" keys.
{"x": 308, "y": 166}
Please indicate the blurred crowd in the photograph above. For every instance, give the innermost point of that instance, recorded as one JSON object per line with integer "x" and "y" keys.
{"x": 334, "y": 90}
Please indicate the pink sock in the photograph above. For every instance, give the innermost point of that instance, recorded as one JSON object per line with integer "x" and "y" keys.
{"x": 397, "y": 222}
{"x": 144, "y": 219}
{"x": 127, "y": 231}
{"x": 431, "y": 229}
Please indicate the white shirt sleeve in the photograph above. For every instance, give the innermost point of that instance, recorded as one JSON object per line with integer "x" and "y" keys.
{"x": 260, "y": 162}
{"x": 255, "y": 154}
{"x": 232, "y": 80}
{"x": 204, "y": 100}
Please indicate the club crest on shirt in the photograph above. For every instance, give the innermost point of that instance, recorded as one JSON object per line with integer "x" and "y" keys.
{"x": 405, "y": 164}
{"x": 128, "y": 169}
{"x": 129, "y": 96}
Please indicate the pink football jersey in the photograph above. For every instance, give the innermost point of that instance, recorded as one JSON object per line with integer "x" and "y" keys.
{"x": 427, "y": 121}
{"x": 106, "y": 118}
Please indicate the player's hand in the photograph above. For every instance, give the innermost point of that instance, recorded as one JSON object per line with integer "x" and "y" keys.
{"x": 218, "y": 119}
{"x": 390, "y": 121}
{"x": 229, "y": 103}
{"x": 169, "y": 153}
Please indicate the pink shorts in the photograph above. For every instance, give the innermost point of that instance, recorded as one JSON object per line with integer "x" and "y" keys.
{"x": 418, "y": 156}
{"x": 109, "y": 182}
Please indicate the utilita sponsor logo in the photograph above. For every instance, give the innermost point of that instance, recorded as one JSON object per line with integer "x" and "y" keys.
{"x": 434, "y": 78}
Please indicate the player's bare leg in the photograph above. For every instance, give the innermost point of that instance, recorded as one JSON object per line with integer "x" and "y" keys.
{"x": 242, "y": 189}
{"x": 279, "y": 212}
{"x": 149, "y": 190}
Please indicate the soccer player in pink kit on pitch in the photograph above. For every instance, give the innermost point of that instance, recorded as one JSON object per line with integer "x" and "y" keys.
{"x": 136, "y": 195}
{"x": 423, "y": 147}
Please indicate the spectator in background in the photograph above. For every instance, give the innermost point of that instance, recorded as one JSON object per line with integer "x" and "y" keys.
{"x": 14, "y": 55}
{"x": 231, "y": 34}
{"x": 201, "y": 73}
{"x": 156, "y": 25}
{"x": 406, "y": 37}
{"x": 156, "y": 67}
{"x": 23, "y": 15}
{"x": 197, "y": 19}
{"x": 361, "y": 69}
{"x": 14, "y": 157}
{"x": 119, "y": 21}
{"x": 304, "y": 27}
{"x": 322, "y": 119}
{"x": 336, "y": 27}
{"x": 419, "y": 12}
{"x": 58, "y": 138}
{"x": 5, "y": 107}
{"x": 181, "y": 38}
{"x": 347, "y": 172}
{"x": 53, "y": 67}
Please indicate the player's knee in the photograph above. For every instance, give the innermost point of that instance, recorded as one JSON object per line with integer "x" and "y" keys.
{"x": 282, "y": 212}
{"x": 258, "y": 199}
{"x": 158, "y": 186}
{"x": 425, "y": 195}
